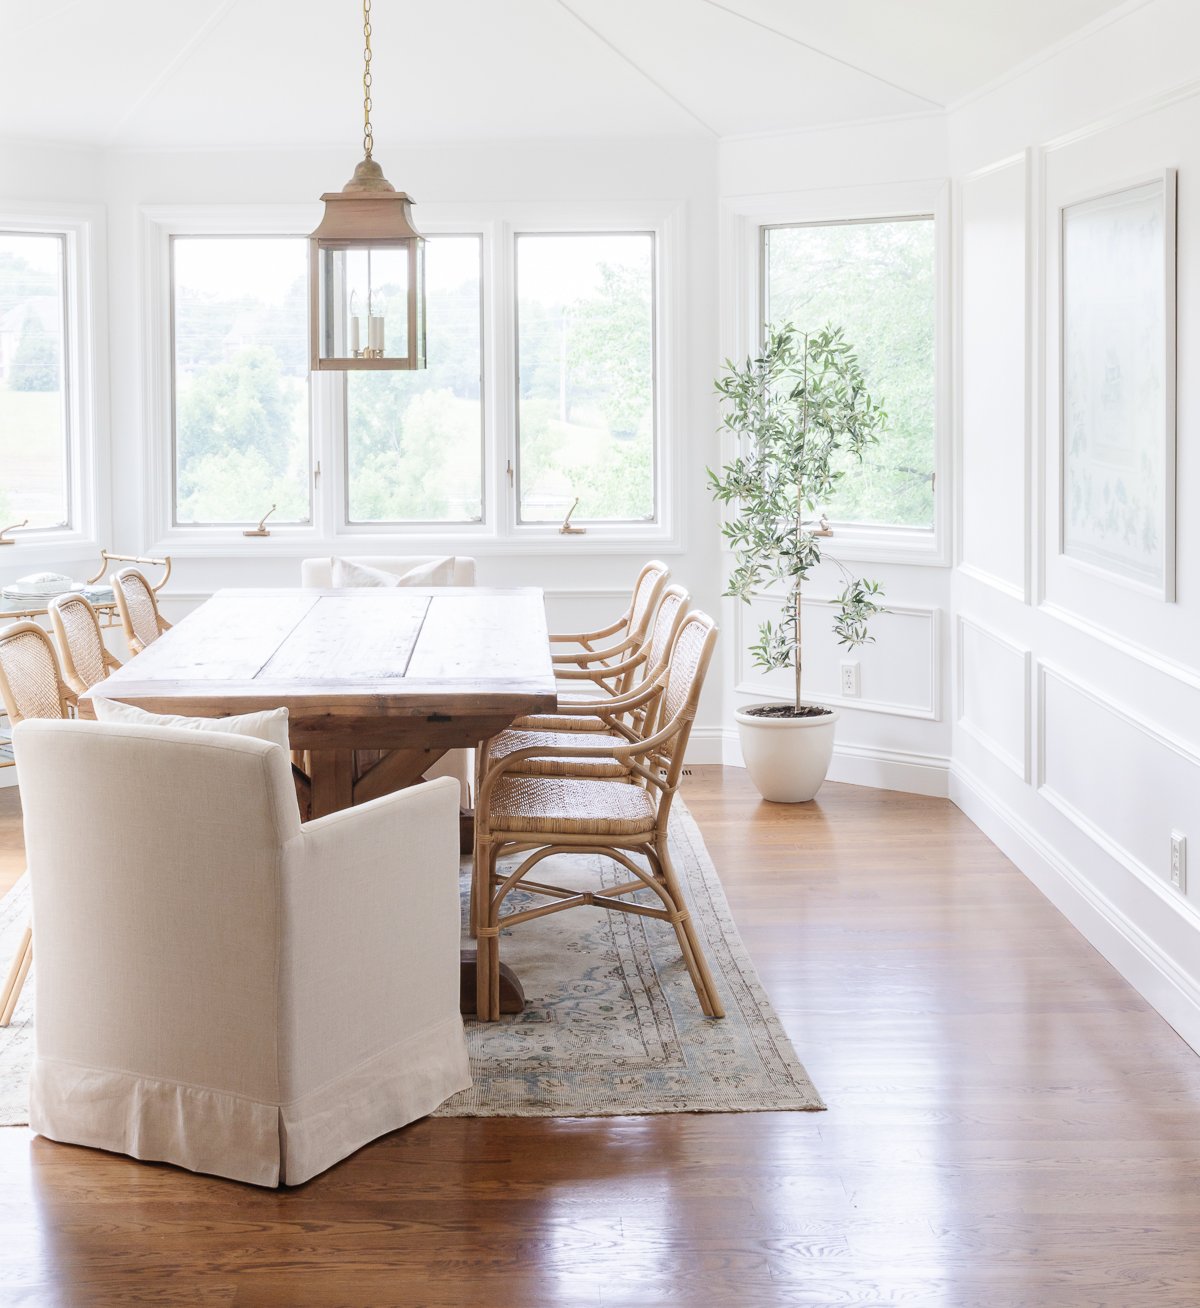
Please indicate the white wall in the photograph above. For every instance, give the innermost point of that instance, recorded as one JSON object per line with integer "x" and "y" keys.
{"x": 897, "y": 734}
{"x": 1077, "y": 707}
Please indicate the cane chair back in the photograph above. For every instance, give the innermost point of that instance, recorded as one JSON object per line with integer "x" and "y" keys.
{"x": 85, "y": 657}
{"x": 138, "y": 607}
{"x": 30, "y": 684}
{"x": 691, "y": 654}
{"x": 556, "y": 811}
{"x": 647, "y": 588}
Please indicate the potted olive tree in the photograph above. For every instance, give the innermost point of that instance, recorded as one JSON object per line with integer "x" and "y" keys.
{"x": 792, "y": 410}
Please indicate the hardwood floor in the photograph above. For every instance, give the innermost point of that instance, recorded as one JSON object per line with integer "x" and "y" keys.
{"x": 1009, "y": 1125}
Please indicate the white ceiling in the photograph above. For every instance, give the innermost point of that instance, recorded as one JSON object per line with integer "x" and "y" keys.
{"x": 286, "y": 72}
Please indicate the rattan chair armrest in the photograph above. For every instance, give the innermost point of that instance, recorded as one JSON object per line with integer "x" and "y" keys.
{"x": 590, "y": 656}
{"x": 580, "y": 637}
{"x": 615, "y": 704}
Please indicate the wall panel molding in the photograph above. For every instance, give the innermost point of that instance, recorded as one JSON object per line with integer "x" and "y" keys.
{"x": 1091, "y": 825}
{"x": 1019, "y": 760}
{"x": 748, "y": 681}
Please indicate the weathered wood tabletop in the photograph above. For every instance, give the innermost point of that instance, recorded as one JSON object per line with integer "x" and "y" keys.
{"x": 407, "y": 672}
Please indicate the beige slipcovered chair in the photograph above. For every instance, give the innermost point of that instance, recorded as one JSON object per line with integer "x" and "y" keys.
{"x": 137, "y": 603}
{"x": 623, "y": 819}
{"x": 318, "y": 574}
{"x": 220, "y": 987}
{"x": 85, "y": 657}
{"x": 30, "y": 687}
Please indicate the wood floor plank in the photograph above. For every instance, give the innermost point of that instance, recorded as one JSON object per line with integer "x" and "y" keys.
{"x": 1009, "y": 1126}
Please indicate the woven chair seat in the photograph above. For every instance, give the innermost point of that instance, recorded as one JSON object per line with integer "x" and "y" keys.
{"x": 571, "y": 806}
{"x": 558, "y": 722}
{"x": 508, "y": 742}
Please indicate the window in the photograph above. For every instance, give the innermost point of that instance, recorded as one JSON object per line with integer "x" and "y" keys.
{"x": 877, "y": 280}
{"x": 241, "y": 379}
{"x": 414, "y": 440}
{"x": 585, "y": 377}
{"x": 548, "y": 380}
{"x": 35, "y": 412}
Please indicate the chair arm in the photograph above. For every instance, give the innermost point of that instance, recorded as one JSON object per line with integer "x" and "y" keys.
{"x": 580, "y": 637}
{"x": 371, "y": 913}
{"x": 612, "y": 705}
{"x": 588, "y": 656}
{"x": 361, "y": 824}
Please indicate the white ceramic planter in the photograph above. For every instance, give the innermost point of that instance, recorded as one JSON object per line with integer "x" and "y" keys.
{"x": 787, "y": 758}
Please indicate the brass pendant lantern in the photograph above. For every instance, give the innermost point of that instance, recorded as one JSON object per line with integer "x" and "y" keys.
{"x": 367, "y": 276}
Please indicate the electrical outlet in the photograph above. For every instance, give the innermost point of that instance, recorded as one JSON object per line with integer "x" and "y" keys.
{"x": 850, "y": 680}
{"x": 1179, "y": 861}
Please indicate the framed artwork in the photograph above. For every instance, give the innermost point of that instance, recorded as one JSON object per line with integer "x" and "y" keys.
{"x": 1117, "y": 475}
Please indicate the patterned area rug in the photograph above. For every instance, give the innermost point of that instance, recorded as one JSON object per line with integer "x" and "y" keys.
{"x": 611, "y": 1024}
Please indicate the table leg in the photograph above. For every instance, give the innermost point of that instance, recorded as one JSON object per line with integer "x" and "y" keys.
{"x": 512, "y": 994}
{"x": 331, "y": 772}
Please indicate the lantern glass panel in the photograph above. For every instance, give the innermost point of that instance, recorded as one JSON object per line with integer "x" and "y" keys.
{"x": 364, "y": 301}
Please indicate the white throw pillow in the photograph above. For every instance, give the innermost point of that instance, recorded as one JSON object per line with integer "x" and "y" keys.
{"x": 438, "y": 572}
{"x": 270, "y": 725}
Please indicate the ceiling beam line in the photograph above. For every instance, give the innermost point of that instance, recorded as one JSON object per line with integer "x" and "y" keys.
{"x": 641, "y": 72}
{"x": 184, "y": 53}
{"x": 824, "y": 54}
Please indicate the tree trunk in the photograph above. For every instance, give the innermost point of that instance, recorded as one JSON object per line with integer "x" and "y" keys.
{"x": 796, "y": 594}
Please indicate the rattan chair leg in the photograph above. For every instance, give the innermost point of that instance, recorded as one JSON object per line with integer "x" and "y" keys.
{"x": 689, "y": 943}
{"x": 16, "y": 976}
{"x": 492, "y": 913}
{"x": 485, "y": 944}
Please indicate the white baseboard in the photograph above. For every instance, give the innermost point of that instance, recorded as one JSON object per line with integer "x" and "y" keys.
{"x": 708, "y": 745}
{"x": 858, "y": 765}
{"x": 1155, "y": 975}
{"x": 891, "y": 769}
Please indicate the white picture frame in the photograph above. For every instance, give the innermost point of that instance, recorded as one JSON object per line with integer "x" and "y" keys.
{"x": 1117, "y": 384}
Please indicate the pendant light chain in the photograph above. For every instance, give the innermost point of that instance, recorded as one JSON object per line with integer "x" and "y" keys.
{"x": 368, "y": 135}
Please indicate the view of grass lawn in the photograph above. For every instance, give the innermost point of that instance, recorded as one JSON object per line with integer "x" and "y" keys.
{"x": 32, "y": 457}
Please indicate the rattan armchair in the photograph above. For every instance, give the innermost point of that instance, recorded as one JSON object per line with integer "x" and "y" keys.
{"x": 137, "y": 603}
{"x": 618, "y": 718}
{"x": 85, "y": 657}
{"x": 600, "y": 663}
{"x": 620, "y": 819}
{"x": 30, "y": 687}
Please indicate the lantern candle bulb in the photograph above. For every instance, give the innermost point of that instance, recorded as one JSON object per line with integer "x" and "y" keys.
{"x": 375, "y": 335}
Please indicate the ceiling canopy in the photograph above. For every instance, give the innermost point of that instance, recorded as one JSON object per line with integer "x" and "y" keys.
{"x": 214, "y": 73}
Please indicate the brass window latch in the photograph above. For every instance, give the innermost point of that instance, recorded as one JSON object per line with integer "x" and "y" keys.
{"x": 262, "y": 529}
{"x": 5, "y": 538}
{"x": 566, "y": 529}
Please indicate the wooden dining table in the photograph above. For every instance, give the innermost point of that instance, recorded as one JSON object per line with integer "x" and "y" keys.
{"x": 395, "y": 676}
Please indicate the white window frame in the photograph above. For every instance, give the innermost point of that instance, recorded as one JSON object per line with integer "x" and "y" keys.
{"x": 499, "y": 532}
{"x": 85, "y": 360}
{"x": 743, "y": 219}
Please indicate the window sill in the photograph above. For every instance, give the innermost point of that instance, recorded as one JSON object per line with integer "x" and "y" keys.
{"x": 917, "y": 546}
{"x": 29, "y": 551}
{"x": 292, "y": 543}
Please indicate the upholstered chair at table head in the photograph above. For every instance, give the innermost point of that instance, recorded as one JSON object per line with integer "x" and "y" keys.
{"x": 220, "y": 987}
